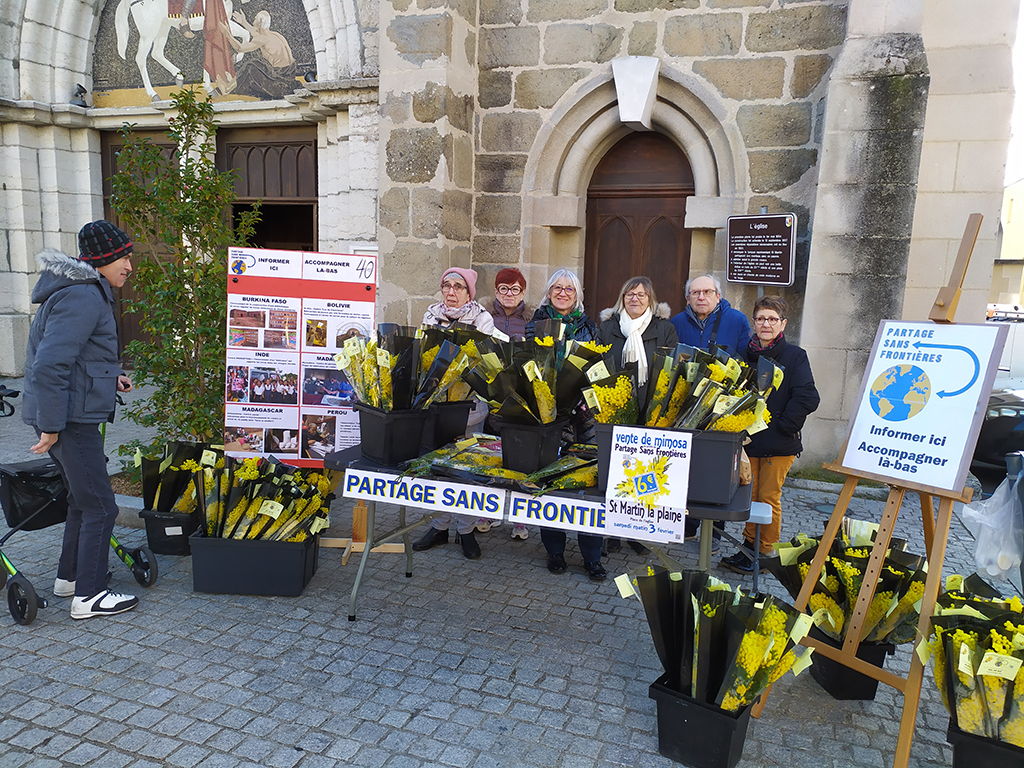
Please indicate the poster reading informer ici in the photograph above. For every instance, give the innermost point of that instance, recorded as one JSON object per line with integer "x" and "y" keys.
{"x": 289, "y": 312}
{"x": 922, "y": 402}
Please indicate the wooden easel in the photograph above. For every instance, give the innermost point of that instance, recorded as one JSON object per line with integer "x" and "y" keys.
{"x": 936, "y": 532}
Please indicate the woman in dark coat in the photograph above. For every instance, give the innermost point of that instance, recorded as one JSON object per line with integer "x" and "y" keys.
{"x": 563, "y": 300}
{"x": 636, "y": 327}
{"x": 773, "y": 451}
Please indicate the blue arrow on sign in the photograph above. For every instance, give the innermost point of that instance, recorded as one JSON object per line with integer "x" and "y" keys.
{"x": 974, "y": 357}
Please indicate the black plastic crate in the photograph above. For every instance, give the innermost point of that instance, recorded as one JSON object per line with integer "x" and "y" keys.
{"x": 695, "y": 733}
{"x": 841, "y": 682}
{"x": 167, "y": 533}
{"x": 241, "y": 567}
{"x": 445, "y": 423}
{"x": 714, "y": 464}
{"x": 390, "y": 437}
{"x": 528, "y": 447}
{"x": 970, "y": 751}
{"x": 33, "y": 494}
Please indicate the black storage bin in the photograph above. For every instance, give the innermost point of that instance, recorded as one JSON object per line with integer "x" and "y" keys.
{"x": 841, "y": 682}
{"x": 445, "y": 423}
{"x": 528, "y": 447}
{"x": 240, "y": 567}
{"x": 33, "y": 495}
{"x": 697, "y": 734}
{"x": 714, "y": 464}
{"x": 970, "y": 751}
{"x": 390, "y": 437}
{"x": 167, "y": 533}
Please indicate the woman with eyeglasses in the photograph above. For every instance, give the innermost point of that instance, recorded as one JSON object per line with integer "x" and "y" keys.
{"x": 563, "y": 300}
{"x": 458, "y": 305}
{"x": 636, "y": 327}
{"x": 509, "y": 310}
{"x": 772, "y": 451}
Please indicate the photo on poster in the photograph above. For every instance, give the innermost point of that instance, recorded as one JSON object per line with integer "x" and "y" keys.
{"x": 243, "y": 440}
{"x": 247, "y": 318}
{"x": 283, "y": 319}
{"x": 316, "y": 333}
{"x": 319, "y": 435}
{"x": 340, "y": 320}
{"x": 243, "y": 337}
{"x": 326, "y": 386}
{"x": 237, "y": 389}
{"x": 283, "y": 442}
{"x": 279, "y": 340}
{"x": 273, "y": 386}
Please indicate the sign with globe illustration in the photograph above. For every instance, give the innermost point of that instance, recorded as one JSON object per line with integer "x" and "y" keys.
{"x": 900, "y": 392}
{"x": 922, "y": 402}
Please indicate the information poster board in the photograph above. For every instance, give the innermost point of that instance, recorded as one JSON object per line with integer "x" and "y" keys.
{"x": 289, "y": 312}
{"x": 648, "y": 481}
{"x": 762, "y": 249}
{"x": 922, "y": 401}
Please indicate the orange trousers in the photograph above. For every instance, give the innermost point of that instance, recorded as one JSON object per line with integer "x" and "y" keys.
{"x": 767, "y": 476}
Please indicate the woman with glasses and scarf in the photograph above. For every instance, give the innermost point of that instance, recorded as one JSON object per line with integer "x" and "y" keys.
{"x": 636, "y": 327}
{"x": 773, "y": 450}
{"x": 458, "y": 305}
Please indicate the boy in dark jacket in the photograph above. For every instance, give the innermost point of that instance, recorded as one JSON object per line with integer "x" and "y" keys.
{"x": 773, "y": 450}
{"x": 72, "y": 377}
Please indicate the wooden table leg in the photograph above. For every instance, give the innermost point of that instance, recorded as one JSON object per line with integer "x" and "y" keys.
{"x": 927, "y": 520}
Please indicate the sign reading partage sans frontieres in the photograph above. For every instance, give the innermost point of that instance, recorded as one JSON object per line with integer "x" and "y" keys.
{"x": 567, "y": 513}
{"x": 648, "y": 480}
{"x": 922, "y": 402}
{"x": 429, "y": 495}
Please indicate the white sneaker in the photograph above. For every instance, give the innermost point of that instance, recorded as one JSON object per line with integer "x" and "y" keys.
{"x": 63, "y": 588}
{"x": 484, "y": 524}
{"x": 520, "y": 532}
{"x": 106, "y": 603}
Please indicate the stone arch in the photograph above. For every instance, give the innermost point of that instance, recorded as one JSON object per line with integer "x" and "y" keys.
{"x": 585, "y": 125}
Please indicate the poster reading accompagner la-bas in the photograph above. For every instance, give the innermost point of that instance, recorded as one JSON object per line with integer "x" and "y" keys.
{"x": 289, "y": 312}
{"x": 922, "y": 402}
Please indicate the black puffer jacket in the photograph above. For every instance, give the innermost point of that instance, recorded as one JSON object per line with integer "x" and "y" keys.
{"x": 789, "y": 405}
{"x": 71, "y": 366}
{"x": 660, "y": 333}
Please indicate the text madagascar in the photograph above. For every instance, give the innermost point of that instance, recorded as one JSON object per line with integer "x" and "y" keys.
{"x": 424, "y": 494}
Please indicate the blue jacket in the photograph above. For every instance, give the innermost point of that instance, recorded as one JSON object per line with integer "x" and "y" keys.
{"x": 72, "y": 365}
{"x": 733, "y": 331}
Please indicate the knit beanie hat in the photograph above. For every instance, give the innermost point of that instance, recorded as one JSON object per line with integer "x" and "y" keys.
{"x": 100, "y": 243}
{"x": 467, "y": 275}
{"x": 510, "y": 276}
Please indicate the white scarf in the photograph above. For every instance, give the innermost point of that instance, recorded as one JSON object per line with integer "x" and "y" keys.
{"x": 633, "y": 351}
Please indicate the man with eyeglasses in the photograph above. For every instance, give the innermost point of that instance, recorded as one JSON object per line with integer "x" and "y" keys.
{"x": 709, "y": 320}
{"x": 509, "y": 310}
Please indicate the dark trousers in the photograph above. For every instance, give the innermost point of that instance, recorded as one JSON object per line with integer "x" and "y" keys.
{"x": 553, "y": 540}
{"x": 92, "y": 510}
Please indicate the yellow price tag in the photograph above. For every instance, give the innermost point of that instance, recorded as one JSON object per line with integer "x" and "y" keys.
{"x": 318, "y": 524}
{"x": 999, "y": 665}
{"x": 208, "y": 459}
{"x": 597, "y": 372}
{"x": 590, "y": 397}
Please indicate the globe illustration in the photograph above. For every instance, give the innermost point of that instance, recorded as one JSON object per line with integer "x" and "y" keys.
{"x": 900, "y": 392}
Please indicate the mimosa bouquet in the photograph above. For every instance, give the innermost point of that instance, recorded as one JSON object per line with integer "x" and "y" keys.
{"x": 977, "y": 649}
{"x": 717, "y": 644}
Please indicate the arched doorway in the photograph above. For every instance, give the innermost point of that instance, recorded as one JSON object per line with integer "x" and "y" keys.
{"x": 636, "y": 204}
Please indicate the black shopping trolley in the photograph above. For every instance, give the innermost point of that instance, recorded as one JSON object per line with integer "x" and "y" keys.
{"x": 33, "y": 496}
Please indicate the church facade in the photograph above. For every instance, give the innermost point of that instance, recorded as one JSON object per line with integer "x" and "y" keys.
{"x": 613, "y": 137}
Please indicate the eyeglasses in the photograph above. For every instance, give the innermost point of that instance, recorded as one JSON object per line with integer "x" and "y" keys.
{"x": 510, "y": 290}
{"x": 453, "y": 287}
{"x": 767, "y": 320}
{"x": 568, "y": 290}
{"x": 635, "y": 296}
{"x": 704, "y": 292}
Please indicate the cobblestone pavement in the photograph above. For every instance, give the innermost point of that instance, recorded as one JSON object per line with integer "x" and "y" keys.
{"x": 487, "y": 663}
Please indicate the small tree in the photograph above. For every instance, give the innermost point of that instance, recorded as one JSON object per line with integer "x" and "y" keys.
{"x": 178, "y": 207}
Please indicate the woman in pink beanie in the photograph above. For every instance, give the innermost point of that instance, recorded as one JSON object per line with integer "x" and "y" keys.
{"x": 457, "y": 305}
